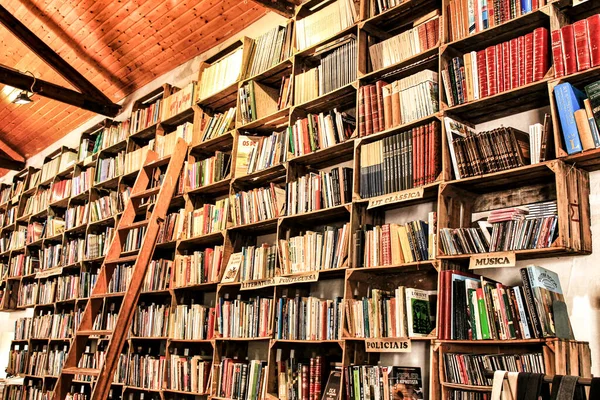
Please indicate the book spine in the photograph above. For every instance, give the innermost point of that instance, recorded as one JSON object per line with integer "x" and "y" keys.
{"x": 557, "y": 54}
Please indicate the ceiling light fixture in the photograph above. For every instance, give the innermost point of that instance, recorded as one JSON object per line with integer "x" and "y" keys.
{"x": 24, "y": 97}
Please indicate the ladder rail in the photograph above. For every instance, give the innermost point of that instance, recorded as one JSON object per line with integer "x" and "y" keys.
{"x": 103, "y": 383}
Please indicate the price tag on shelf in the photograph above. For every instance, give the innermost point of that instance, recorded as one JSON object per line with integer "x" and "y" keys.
{"x": 493, "y": 260}
{"x": 398, "y": 197}
{"x": 388, "y": 345}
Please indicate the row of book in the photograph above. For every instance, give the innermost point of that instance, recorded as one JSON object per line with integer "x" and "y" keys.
{"x": 28, "y": 294}
{"x": 193, "y": 322}
{"x": 134, "y": 239}
{"x": 496, "y": 69}
{"x": 300, "y": 379}
{"x": 385, "y": 105}
{"x": 189, "y": 374}
{"x": 215, "y": 125}
{"x": 470, "y": 369}
{"x": 164, "y": 145}
{"x": 263, "y": 151}
{"x": 401, "y": 161}
{"x": 110, "y": 167}
{"x": 394, "y": 244}
{"x": 320, "y": 131}
{"x": 97, "y": 244}
{"x": 484, "y": 152}
{"x": 258, "y": 262}
{"x": 221, "y": 74}
{"x": 335, "y": 69}
{"x": 424, "y": 35}
{"x": 241, "y": 379}
{"x": 56, "y": 165}
{"x": 404, "y": 312}
{"x": 209, "y": 218}
{"x": 18, "y": 359}
{"x": 50, "y": 325}
{"x": 579, "y": 116}
{"x": 315, "y": 250}
{"x": 240, "y": 318}
{"x": 23, "y": 265}
{"x": 269, "y": 49}
{"x": 324, "y": 23}
{"x": 317, "y": 191}
{"x": 201, "y": 266}
{"x": 259, "y": 204}
{"x": 574, "y": 46}
{"x": 208, "y": 171}
{"x": 532, "y": 226}
{"x": 308, "y": 318}
{"x": 83, "y": 181}
{"x": 473, "y": 307}
{"x": 473, "y": 16}
{"x": 147, "y": 116}
{"x": 43, "y": 362}
{"x": 383, "y": 382}
{"x": 151, "y": 320}
{"x": 60, "y": 189}
{"x": 36, "y": 203}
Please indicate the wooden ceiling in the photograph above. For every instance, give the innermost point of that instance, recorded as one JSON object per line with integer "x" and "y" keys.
{"x": 118, "y": 45}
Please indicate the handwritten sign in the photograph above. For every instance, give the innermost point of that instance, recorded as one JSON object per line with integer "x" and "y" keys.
{"x": 493, "y": 260}
{"x": 388, "y": 345}
{"x": 49, "y": 272}
{"x": 290, "y": 280}
{"x": 398, "y": 197}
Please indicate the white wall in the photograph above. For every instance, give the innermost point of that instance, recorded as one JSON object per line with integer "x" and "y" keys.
{"x": 579, "y": 280}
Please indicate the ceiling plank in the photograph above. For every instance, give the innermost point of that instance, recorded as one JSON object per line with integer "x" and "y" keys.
{"x": 8, "y": 76}
{"x": 285, "y": 8}
{"x": 40, "y": 48}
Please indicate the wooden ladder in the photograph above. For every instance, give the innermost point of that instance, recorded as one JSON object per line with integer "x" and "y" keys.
{"x": 115, "y": 256}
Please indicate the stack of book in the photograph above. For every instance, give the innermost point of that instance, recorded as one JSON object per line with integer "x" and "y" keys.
{"x": 151, "y": 320}
{"x": 208, "y": 171}
{"x": 145, "y": 117}
{"x": 315, "y": 250}
{"x": 573, "y": 46}
{"x": 496, "y": 69}
{"x": 171, "y": 229}
{"x": 18, "y": 359}
{"x": 158, "y": 275}
{"x": 473, "y": 17}
{"x": 316, "y": 132}
{"x": 243, "y": 380}
{"x": 111, "y": 167}
{"x": 264, "y": 151}
{"x": 112, "y": 135}
{"x": 308, "y": 318}
{"x": 480, "y": 153}
{"x": 189, "y": 374}
{"x": 221, "y": 74}
{"x": 164, "y": 145}
{"x": 105, "y": 207}
{"x": 270, "y": 48}
{"x": 77, "y": 215}
{"x": 178, "y": 102}
{"x": 83, "y": 181}
{"x": 473, "y": 307}
{"x": 146, "y": 371}
{"x": 244, "y": 318}
{"x": 60, "y": 190}
{"x": 28, "y": 294}
{"x": 257, "y": 205}
{"x": 202, "y": 266}
{"x": 207, "y": 219}
{"x": 216, "y": 125}
{"x": 120, "y": 279}
{"x": 531, "y": 226}
{"x": 422, "y": 37}
{"x": 192, "y": 322}
{"x": 300, "y": 379}
{"x": 74, "y": 251}
{"x": 579, "y": 116}
{"x": 401, "y": 161}
{"x": 314, "y": 192}
{"x": 67, "y": 287}
{"x": 324, "y": 23}
{"x": 384, "y": 382}
{"x": 134, "y": 159}
{"x": 470, "y": 369}
{"x": 405, "y": 312}
{"x": 385, "y": 105}
{"x": 335, "y": 69}
{"x": 23, "y": 328}
{"x": 258, "y": 262}
{"x": 51, "y": 256}
{"x": 394, "y": 244}
{"x": 97, "y": 243}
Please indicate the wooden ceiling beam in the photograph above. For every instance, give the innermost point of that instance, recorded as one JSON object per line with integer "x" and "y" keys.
{"x": 44, "y": 51}
{"x": 10, "y": 152}
{"x": 9, "y": 76}
{"x": 281, "y": 7}
{"x": 14, "y": 165}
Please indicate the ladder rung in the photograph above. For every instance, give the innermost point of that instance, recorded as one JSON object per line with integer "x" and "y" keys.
{"x": 81, "y": 371}
{"x": 93, "y": 332}
{"x": 134, "y": 225}
{"x": 159, "y": 163}
{"x": 121, "y": 260}
{"x": 146, "y": 193}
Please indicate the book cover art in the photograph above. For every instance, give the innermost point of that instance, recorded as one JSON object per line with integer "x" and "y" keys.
{"x": 405, "y": 383}
{"x": 332, "y": 389}
{"x": 546, "y": 289}
{"x": 419, "y": 312}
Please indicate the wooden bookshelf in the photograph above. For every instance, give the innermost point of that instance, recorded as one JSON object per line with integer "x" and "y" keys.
{"x": 565, "y": 179}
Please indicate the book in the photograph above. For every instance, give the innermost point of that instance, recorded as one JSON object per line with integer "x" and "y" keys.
{"x": 324, "y": 23}
{"x": 232, "y": 270}
{"x": 320, "y": 131}
{"x": 241, "y": 318}
{"x": 221, "y": 74}
{"x": 317, "y": 191}
{"x": 260, "y": 204}
{"x": 308, "y": 318}
{"x": 568, "y": 100}
{"x": 269, "y": 49}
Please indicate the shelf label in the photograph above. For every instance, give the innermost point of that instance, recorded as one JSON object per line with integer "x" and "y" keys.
{"x": 493, "y": 260}
{"x": 49, "y": 272}
{"x": 398, "y": 197}
{"x": 388, "y": 345}
{"x": 290, "y": 280}
{"x": 249, "y": 285}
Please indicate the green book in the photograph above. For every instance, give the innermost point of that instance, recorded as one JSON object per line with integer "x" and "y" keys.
{"x": 483, "y": 316}
{"x": 473, "y": 312}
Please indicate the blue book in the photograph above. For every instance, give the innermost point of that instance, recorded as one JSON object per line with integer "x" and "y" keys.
{"x": 525, "y": 6}
{"x": 568, "y": 100}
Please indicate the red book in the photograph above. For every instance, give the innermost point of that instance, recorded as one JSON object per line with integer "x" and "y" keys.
{"x": 521, "y": 59}
{"x": 386, "y": 249}
{"x": 500, "y": 67}
{"x": 424, "y": 144}
{"x": 492, "y": 67}
{"x": 361, "y": 113}
{"x": 211, "y": 324}
{"x": 568, "y": 49}
{"x": 422, "y": 34}
{"x": 374, "y": 108}
{"x": 379, "y": 93}
{"x": 435, "y": 150}
{"x": 482, "y": 74}
{"x": 557, "y": 54}
{"x": 535, "y": 4}
{"x": 311, "y": 385}
{"x": 506, "y": 65}
{"x": 528, "y": 58}
{"x": 368, "y": 111}
{"x": 540, "y": 53}
{"x": 304, "y": 380}
{"x": 593, "y": 26}
{"x": 582, "y": 48}
{"x": 306, "y": 139}
{"x": 318, "y": 377}
{"x": 514, "y": 63}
